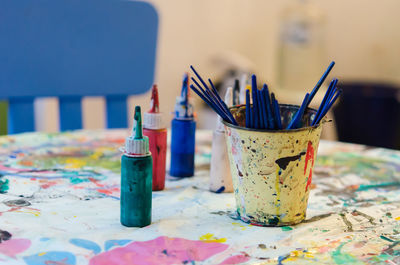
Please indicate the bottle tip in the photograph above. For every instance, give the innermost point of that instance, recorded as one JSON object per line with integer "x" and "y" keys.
{"x": 137, "y": 124}
{"x": 155, "y": 104}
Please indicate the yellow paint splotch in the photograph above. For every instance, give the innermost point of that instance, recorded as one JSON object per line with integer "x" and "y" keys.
{"x": 209, "y": 238}
{"x": 73, "y": 163}
{"x": 239, "y": 225}
{"x": 397, "y": 218}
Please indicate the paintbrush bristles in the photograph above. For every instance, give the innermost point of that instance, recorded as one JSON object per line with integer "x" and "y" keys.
{"x": 212, "y": 98}
{"x": 262, "y": 109}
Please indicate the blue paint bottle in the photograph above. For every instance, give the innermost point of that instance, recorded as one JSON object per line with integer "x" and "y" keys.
{"x": 183, "y": 130}
{"x": 136, "y": 177}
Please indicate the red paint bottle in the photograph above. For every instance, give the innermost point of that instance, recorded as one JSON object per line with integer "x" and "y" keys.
{"x": 154, "y": 129}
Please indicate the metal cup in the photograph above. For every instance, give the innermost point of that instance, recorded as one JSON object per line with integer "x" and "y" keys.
{"x": 272, "y": 169}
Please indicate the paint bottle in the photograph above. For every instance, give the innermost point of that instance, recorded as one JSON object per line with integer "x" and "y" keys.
{"x": 220, "y": 173}
{"x": 183, "y": 130}
{"x": 153, "y": 128}
{"x": 136, "y": 177}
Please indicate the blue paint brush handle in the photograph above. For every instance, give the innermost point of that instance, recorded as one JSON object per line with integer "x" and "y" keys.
{"x": 325, "y": 99}
{"x": 255, "y": 105}
{"x": 248, "y": 111}
{"x": 297, "y": 118}
{"x": 264, "y": 108}
{"x": 319, "y": 83}
{"x": 225, "y": 107}
{"x": 277, "y": 114}
{"x": 210, "y": 104}
{"x": 328, "y": 106}
{"x": 260, "y": 109}
{"x": 269, "y": 107}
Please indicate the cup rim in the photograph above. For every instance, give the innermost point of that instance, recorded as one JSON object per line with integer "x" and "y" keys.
{"x": 275, "y": 131}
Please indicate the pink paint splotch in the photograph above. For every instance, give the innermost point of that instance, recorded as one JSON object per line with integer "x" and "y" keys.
{"x": 15, "y": 246}
{"x": 237, "y": 259}
{"x": 161, "y": 250}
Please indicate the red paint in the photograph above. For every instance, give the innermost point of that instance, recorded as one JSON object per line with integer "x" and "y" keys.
{"x": 309, "y": 156}
{"x": 48, "y": 184}
{"x": 157, "y": 141}
{"x": 158, "y": 149}
{"x": 154, "y": 100}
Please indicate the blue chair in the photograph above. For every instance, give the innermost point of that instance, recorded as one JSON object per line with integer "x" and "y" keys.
{"x": 75, "y": 48}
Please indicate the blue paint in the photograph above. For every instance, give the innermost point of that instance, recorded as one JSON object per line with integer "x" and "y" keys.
{"x": 183, "y": 131}
{"x": 44, "y": 239}
{"x": 282, "y": 258}
{"x": 182, "y": 147}
{"x": 220, "y": 189}
{"x": 52, "y": 257}
{"x": 114, "y": 243}
{"x": 87, "y": 244}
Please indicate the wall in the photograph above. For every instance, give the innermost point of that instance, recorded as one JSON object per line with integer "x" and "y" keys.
{"x": 362, "y": 36}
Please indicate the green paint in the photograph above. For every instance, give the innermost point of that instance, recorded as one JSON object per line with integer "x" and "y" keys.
{"x": 376, "y": 170}
{"x": 286, "y": 228}
{"x": 4, "y": 186}
{"x": 343, "y": 258}
{"x": 136, "y": 178}
{"x": 77, "y": 180}
{"x": 363, "y": 187}
{"x": 387, "y": 239}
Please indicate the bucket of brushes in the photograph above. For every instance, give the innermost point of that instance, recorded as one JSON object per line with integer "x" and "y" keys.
{"x": 272, "y": 148}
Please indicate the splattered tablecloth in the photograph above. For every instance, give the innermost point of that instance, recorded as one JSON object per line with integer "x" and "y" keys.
{"x": 60, "y": 205}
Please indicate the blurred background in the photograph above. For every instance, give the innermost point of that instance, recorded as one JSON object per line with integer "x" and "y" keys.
{"x": 288, "y": 44}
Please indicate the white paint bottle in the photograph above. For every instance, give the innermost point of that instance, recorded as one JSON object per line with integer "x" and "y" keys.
{"x": 220, "y": 173}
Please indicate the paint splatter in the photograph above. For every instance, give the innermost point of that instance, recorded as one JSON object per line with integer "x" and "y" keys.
{"x": 51, "y": 257}
{"x": 309, "y": 156}
{"x": 237, "y": 259}
{"x": 115, "y": 243}
{"x": 284, "y": 161}
{"x": 15, "y": 246}
{"x": 286, "y": 228}
{"x": 162, "y": 250}
{"x": 4, "y": 235}
{"x": 343, "y": 258}
{"x": 4, "y": 186}
{"x": 209, "y": 238}
{"x": 17, "y": 203}
{"x": 220, "y": 189}
{"x": 87, "y": 244}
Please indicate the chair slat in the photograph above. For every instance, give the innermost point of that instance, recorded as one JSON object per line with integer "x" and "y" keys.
{"x": 20, "y": 115}
{"x": 70, "y": 113}
{"x": 116, "y": 112}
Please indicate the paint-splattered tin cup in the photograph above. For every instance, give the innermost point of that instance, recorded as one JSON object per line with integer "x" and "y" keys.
{"x": 272, "y": 169}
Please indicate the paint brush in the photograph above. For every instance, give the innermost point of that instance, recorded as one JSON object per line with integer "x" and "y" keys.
{"x": 264, "y": 108}
{"x": 212, "y": 98}
{"x": 248, "y": 110}
{"x": 319, "y": 83}
{"x": 260, "y": 109}
{"x": 296, "y": 120}
{"x": 269, "y": 107}
{"x": 255, "y": 101}
{"x": 277, "y": 113}
{"x": 236, "y": 93}
{"x": 331, "y": 87}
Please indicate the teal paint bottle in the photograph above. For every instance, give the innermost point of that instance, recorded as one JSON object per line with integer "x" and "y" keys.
{"x": 136, "y": 177}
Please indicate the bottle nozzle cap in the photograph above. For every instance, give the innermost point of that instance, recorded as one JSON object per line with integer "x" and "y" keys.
{"x": 137, "y": 144}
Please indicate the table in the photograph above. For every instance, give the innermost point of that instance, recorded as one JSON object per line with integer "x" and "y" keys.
{"x": 60, "y": 205}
